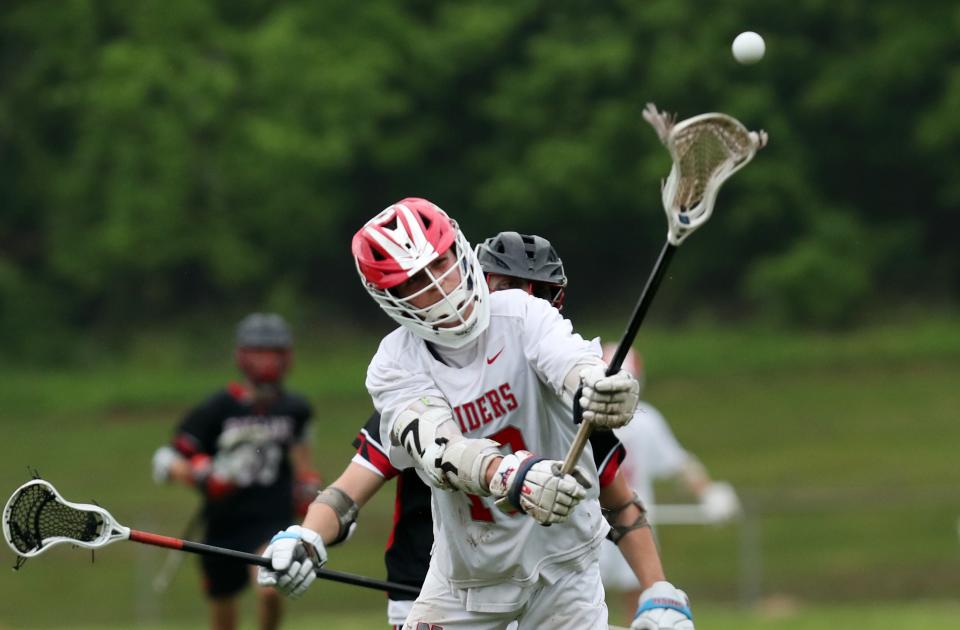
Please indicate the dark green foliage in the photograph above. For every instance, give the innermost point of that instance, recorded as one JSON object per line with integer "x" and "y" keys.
{"x": 164, "y": 159}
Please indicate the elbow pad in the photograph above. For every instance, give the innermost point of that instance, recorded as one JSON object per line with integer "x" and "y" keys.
{"x": 427, "y": 432}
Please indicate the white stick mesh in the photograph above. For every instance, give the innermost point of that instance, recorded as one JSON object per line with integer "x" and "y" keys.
{"x": 706, "y": 150}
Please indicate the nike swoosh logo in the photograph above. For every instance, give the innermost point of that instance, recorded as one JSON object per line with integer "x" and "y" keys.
{"x": 490, "y": 360}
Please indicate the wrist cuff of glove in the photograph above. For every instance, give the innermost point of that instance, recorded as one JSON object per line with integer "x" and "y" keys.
{"x": 513, "y": 495}
{"x": 664, "y": 602}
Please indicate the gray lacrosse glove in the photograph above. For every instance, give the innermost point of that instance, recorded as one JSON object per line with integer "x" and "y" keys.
{"x": 533, "y": 485}
{"x": 295, "y": 555}
{"x": 663, "y": 607}
{"x": 608, "y": 401}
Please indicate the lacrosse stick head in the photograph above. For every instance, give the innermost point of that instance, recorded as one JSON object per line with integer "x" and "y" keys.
{"x": 706, "y": 150}
{"x": 36, "y": 518}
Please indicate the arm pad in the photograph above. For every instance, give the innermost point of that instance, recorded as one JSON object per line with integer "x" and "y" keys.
{"x": 427, "y": 432}
{"x": 344, "y": 507}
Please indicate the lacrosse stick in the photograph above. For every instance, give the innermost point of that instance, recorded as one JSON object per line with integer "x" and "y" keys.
{"x": 173, "y": 560}
{"x": 37, "y": 518}
{"x": 706, "y": 150}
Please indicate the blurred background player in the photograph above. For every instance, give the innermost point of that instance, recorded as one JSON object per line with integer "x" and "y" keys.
{"x": 448, "y": 271}
{"x": 246, "y": 449}
{"x": 653, "y": 453}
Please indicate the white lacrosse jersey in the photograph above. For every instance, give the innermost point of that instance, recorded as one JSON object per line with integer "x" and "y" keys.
{"x": 508, "y": 390}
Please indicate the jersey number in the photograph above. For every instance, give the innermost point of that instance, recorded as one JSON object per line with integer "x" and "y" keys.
{"x": 512, "y": 437}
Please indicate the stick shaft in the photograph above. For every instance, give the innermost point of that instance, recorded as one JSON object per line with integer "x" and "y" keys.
{"x": 173, "y": 560}
{"x": 639, "y": 312}
{"x": 169, "y": 542}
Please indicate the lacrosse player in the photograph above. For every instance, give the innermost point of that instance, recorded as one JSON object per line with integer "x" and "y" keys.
{"x": 653, "y": 452}
{"x": 466, "y": 373}
{"x": 509, "y": 260}
{"x": 246, "y": 449}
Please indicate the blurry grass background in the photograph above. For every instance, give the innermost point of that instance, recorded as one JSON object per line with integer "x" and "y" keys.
{"x": 842, "y": 446}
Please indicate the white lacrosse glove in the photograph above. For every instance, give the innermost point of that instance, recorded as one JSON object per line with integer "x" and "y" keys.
{"x": 663, "y": 607}
{"x": 608, "y": 401}
{"x": 719, "y": 502}
{"x": 534, "y": 485}
{"x": 295, "y": 555}
{"x": 163, "y": 460}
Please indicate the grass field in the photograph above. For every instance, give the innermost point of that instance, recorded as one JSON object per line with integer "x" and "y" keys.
{"x": 915, "y": 616}
{"x": 843, "y": 448}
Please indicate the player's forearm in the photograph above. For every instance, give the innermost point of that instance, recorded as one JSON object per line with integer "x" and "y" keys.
{"x": 695, "y": 477}
{"x": 323, "y": 520}
{"x": 637, "y": 545}
{"x": 640, "y": 551}
{"x": 181, "y": 472}
{"x": 301, "y": 458}
{"x": 359, "y": 484}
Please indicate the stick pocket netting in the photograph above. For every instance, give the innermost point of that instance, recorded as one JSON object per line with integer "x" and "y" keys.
{"x": 36, "y": 517}
{"x": 706, "y": 150}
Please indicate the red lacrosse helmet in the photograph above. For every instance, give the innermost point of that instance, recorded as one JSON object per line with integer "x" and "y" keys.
{"x": 401, "y": 242}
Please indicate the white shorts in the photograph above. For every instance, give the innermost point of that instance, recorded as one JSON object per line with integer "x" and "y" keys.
{"x": 573, "y": 602}
{"x": 614, "y": 570}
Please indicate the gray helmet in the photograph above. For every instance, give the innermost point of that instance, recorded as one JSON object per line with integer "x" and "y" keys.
{"x": 263, "y": 330}
{"x": 524, "y": 256}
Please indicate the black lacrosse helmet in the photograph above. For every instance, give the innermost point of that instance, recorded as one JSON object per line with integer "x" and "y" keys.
{"x": 528, "y": 257}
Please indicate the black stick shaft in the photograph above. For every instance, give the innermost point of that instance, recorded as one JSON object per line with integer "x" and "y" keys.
{"x": 639, "y": 312}
{"x": 169, "y": 542}
{"x": 643, "y": 305}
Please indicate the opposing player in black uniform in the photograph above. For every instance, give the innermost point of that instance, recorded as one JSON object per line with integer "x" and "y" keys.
{"x": 246, "y": 448}
{"x": 510, "y": 261}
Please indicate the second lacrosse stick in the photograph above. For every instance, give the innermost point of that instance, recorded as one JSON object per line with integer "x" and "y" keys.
{"x": 37, "y": 518}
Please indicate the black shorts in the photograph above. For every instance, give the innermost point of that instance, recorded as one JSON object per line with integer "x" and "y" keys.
{"x": 225, "y": 577}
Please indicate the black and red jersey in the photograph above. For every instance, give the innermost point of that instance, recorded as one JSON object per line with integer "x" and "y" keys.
{"x": 408, "y": 548}
{"x": 253, "y": 444}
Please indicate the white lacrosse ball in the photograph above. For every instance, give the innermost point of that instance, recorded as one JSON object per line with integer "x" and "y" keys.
{"x": 748, "y": 47}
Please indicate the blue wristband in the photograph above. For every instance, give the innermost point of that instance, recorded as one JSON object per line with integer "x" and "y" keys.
{"x": 658, "y": 602}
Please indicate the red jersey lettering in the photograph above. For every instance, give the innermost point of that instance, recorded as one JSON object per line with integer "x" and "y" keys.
{"x": 494, "y": 399}
{"x": 508, "y": 397}
{"x": 470, "y": 411}
{"x": 482, "y": 407}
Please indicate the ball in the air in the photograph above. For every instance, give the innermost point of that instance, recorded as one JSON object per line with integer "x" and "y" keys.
{"x": 748, "y": 47}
